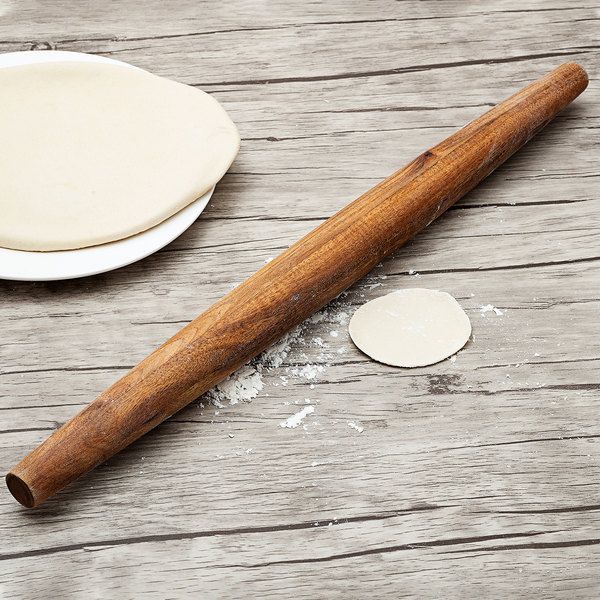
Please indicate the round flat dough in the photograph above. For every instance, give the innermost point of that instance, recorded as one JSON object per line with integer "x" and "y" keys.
{"x": 410, "y": 328}
{"x": 95, "y": 152}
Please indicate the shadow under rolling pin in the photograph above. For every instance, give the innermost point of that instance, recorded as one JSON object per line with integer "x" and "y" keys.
{"x": 291, "y": 287}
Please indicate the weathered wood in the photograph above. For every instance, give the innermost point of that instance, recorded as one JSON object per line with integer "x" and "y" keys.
{"x": 529, "y": 441}
{"x": 292, "y": 287}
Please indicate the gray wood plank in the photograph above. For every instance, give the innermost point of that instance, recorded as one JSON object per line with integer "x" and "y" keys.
{"x": 473, "y": 478}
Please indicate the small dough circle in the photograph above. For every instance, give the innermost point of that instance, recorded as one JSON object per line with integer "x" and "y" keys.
{"x": 414, "y": 327}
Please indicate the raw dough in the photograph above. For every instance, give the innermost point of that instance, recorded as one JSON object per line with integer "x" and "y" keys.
{"x": 410, "y": 328}
{"x": 94, "y": 152}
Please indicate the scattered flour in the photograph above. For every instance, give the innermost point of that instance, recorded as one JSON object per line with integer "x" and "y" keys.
{"x": 356, "y": 426}
{"x": 307, "y": 371}
{"x": 341, "y": 317}
{"x": 317, "y": 317}
{"x": 243, "y": 385}
{"x": 247, "y": 382}
{"x": 274, "y": 356}
{"x": 490, "y": 308}
{"x": 297, "y": 418}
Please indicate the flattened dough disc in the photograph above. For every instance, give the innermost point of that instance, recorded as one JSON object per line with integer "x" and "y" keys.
{"x": 95, "y": 152}
{"x": 410, "y": 328}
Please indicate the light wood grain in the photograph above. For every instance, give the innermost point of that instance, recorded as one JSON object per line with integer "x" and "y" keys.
{"x": 485, "y": 443}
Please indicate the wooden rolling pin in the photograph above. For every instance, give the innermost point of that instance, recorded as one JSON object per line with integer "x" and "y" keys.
{"x": 291, "y": 288}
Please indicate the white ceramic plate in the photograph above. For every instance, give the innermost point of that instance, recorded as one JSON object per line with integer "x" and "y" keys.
{"x": 68, "y": 264}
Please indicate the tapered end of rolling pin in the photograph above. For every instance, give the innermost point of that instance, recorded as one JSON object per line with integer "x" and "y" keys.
{"x": 573, "y": 74}
{"x": 20, "y": 490}
{"x": 309, "y": 274}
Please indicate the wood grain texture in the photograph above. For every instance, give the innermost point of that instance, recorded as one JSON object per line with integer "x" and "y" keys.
{"x": 474, "y": 477}
{"x": 292, "y": 287}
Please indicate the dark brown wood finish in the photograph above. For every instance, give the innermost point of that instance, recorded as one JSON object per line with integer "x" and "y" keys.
{"x": 292, "y": 287}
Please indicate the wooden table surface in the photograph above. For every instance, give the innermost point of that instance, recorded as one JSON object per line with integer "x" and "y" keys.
{"x": 472, "y": 478}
